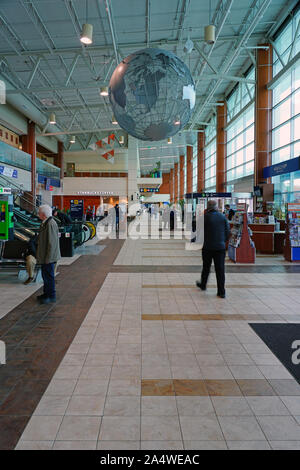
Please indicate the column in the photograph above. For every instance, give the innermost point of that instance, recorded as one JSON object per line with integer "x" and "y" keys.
{"x": 172, "y": 185}
{"x": 181, "y": 177}
{"x": 133, "y": 171}
{"x": 176, "y": 182}
{"x": 59, "y": 158}
{"x": 263, "y": 114}
{"x": 221, "y": 147}
{"x": 29, "y": 146}
{"x": 201, "y": 161}
{"x": 189, "y": 169}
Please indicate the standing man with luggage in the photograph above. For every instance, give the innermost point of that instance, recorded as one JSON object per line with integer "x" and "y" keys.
{"x": 216, "y": 234}
{"x": 48, "y": 253}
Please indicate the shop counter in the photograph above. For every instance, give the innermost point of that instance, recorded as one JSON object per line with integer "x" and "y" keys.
{"x": 266, "y": 240}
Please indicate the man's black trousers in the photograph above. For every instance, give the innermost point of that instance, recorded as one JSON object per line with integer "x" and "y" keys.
{"x": 219, "y": 261}
{"x": 49, "y": 280}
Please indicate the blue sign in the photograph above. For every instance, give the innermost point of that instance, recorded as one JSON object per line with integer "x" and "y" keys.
{"x": 48, "y": 181}
{"x": 9, "y": 172}
{"x": 203, "y": 195}
{"x": 289, "y": 166}
{"x": 76, "y": 209}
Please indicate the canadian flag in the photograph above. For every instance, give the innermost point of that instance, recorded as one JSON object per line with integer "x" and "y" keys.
{"x": 105, "y": 144}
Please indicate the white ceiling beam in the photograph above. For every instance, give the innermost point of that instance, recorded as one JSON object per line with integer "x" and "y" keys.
{"x": 78, "y": 50}
{"x": 232, "y": 78}
{"x": 80, "y": 131}
{"x": 112, "y": 29}
{"x": 252, "y": 21}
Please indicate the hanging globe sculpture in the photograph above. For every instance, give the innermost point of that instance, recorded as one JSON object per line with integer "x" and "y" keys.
{"x": 152, "y": 94}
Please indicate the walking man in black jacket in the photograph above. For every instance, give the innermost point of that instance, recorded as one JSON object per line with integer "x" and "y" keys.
{"x": 216, "y": 234}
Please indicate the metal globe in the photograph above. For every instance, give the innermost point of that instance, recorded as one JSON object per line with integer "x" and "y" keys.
{"x": 152, "y": 94}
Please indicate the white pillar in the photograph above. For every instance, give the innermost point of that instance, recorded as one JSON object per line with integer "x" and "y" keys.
{"x": 133, "y": 171}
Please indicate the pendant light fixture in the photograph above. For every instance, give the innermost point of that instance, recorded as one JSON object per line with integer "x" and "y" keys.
{"x": 86, "y": 36}
{"x": 114, "y": 121}
{"x": 52, "y": 119}
{"x": 73, "y": 139}
{"x": 121, "y": 140}
{"x": 169, "y": 140}
{"x": 210, "y": 30}
{"x": 104, "y": 91}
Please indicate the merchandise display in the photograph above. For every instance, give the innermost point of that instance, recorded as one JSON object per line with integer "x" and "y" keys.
{"x": 292, "y": 241}
{"x": 241, "y": 248}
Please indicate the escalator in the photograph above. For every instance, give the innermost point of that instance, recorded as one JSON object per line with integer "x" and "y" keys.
{"x": 27, "y": 223}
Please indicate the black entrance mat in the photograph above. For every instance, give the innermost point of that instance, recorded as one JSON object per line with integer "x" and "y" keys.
{"x": 283, "y": 339}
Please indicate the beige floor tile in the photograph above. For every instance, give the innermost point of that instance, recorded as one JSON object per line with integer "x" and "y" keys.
{"x": 100, "y": 372}
{"x": 160, "y": 428}
{"x": 216, "y": 372}
{"x": 51, "y": 405}
{"x": 162, "y": 445}
{"x": 120, "y": 428}
{"x": 241, "y": 428}
{"x": 61, "y": 387}
{"x": 159, "y": 406}
{"x": 122, "y": 406}
{"x": 79, "y": 428}
{"x": 267, "y": 406}
{"x": 34, "y": 445}
{"x": 75, "y": 445}
{"x": 118, "y": 445}
{"x": 210, "y": 360}
{"x": 280, "y": 428}
{"x": 86, "y": 405}
{"x": 67, "y": 372}
{"x": 246, "y": 372}
{"x": 194, "y": 406}
{"x": 42, "y": 428}
{"x": 205, "y": 445}
{"x": 248, "y": 445}
{"x": 95, "y": 360}
{"x": 292, "y": 404}
{"x": 91, "y": 387}
{"x": 231, "y": 406}
{"x": 124, "y": 387}
{"x": 275, "y": 372}
{"x": 285, "y": 387}
{"x": 206, "y": 428}
{"x": 285, "y": 445}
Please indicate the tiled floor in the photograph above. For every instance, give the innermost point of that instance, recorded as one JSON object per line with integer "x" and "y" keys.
{"x": 158, "y": 364}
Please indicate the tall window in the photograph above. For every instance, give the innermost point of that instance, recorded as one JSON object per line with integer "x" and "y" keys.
{"x": 184, "y": 175}
{"x": 240, "y": 131}
{"x": 286, "y": 109}
{"x": 210, "y": 154}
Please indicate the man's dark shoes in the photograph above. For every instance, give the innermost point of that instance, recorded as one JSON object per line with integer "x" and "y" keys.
{"x": 48, "y": 300}
{"x": 28, "y": 281}
{"x": 198, "y": 284}
{"x": 40, "y": 297}
{"x": 222, "y": 296}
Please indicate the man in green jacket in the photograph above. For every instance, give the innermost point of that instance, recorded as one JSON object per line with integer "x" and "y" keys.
{"x": 47, "y": 253}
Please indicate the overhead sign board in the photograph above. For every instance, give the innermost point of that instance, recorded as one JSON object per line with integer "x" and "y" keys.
{"x": 289, "y": 166}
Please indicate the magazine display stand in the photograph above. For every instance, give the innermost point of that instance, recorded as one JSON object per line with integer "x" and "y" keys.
{"x": 241, "y": 248}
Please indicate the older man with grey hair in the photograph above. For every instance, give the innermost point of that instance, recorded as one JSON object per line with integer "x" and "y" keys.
{"x": 48, "y": 252}
{"x": 216, "y": 234}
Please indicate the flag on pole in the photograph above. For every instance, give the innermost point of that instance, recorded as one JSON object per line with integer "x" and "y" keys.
{"x": 105, "y": 147}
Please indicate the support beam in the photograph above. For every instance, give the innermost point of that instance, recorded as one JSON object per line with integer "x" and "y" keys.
{"x": 263, "y": 115}
{"x": 189, "y": 169}
{"x": 181, "y": 176}
{"x": 176, "y": 182}
{"x": 29, "y": 146}
{"x": 201, "y": 161}
{"x": 221, "y": 148}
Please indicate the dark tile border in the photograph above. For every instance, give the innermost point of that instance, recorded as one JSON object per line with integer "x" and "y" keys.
{"x": 37, "y": 337}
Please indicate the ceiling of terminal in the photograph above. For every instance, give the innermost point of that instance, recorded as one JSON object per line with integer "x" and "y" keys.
{"x": 43, "y": 58}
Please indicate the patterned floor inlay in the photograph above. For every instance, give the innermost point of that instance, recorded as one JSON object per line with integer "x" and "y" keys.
{"x": 202, "y": 317}
{"x": 229, "y": 286}
{"x": 216, "y": 388}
